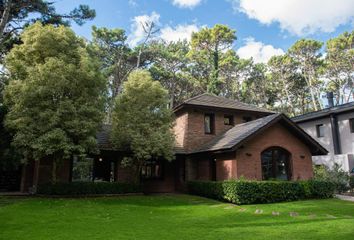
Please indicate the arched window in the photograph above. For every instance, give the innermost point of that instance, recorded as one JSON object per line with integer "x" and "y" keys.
{"x": 275, "y": 164}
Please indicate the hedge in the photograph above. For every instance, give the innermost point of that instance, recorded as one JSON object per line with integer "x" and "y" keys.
{"x": 249, "y": 192}
{"x": 351, "y": 182}
{"x": 87, "y": 188}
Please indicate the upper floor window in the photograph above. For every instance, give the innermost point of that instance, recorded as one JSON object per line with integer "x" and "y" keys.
{"x": 209, "y": 123}
{"x": 351, "y": 125}
{"x": 247, "y": 119}
{"x": 228, "y": 120}
{"x": 320, "y": 130}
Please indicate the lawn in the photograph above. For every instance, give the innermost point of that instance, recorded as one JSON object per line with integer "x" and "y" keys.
{"x": 172, "y": 217}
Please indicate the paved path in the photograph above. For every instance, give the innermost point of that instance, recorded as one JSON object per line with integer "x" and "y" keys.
{"x": 344, "y": 197}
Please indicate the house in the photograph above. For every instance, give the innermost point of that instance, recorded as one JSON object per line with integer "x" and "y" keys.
{"x": 333, "y": 128}
{"x": 216, "y": 139}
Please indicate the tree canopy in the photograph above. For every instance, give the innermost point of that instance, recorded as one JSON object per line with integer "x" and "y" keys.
{"x": 142, "y": 121}
{"x": 55, "y": 95}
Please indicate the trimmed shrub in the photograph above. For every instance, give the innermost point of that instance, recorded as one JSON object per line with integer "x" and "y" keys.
{"x": 249, "y": 192}
{"x": 87, "y": 188}
{"x": 335, "y": 174}
{"x": 351, "y": 182}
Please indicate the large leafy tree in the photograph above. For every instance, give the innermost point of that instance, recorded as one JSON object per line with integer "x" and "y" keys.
{"x": 16, "y": 14}
{"x": 55, "y": 95}
{"x": 340, "y": 66}
{"x": 306, "y": 53}
{"x": 207, "y": 46}
{"x": 142, "y": 121}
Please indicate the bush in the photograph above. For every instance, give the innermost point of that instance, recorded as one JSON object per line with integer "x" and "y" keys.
{"x": 87, "y": 188}
{"x": 249, "y": 192}
{"x": 334, "y": 174}
{"x": 351, "y": 182}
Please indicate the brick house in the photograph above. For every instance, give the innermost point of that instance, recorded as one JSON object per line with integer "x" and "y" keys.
{"x": 216, "y": 139}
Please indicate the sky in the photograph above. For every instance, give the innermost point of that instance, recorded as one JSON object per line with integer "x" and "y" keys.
{"x": 263, "y": 27}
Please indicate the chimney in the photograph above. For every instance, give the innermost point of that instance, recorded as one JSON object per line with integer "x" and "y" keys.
{"x": 330, "y": 99}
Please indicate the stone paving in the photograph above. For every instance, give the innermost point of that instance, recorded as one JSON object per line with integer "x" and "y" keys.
{"x": 274, "y": 213}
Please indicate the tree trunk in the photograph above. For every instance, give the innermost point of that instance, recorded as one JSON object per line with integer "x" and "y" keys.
{"x": 313, "y": 98}
{"x": 5, "y": 17}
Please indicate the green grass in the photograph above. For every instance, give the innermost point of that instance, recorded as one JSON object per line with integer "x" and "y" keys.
{"x": 171, "y": 217}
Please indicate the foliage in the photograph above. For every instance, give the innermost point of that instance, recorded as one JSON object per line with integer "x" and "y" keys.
{"x": 207, "y": 46}
{"x": 17, "y": 14}
{"x": 9, "y": 157}
{"x": 339, "y": 66}
{"x": 142, "y": 123}
{"x": 306, "y": 53}
{"x": 169, "y": 67}
{"x": 55, "y": 95}
{"x": 351, "y": 182}
{"x": 250, "y": 192}
{"x": 87, "y": 188}
{"x": 117, "y": 60}
{"x": 334, "y": 174}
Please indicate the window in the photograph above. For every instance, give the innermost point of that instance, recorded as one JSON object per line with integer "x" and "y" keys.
{"x": 209, "y": 123}
{"x": 351, "y": 125}
{"x": 82, "y": 169}
{"x": 228, "y": 120}
{"x": 275, "y": 164}
{"x": 151, "y": 170}
{"x": 247, "y": 119}
{"x": 320, "y": 130}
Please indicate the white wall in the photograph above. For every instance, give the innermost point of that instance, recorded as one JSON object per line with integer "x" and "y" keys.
{"x": 346, "y": 161}
{"x": 345, "y": 136}
{"x": 310, "y": 128}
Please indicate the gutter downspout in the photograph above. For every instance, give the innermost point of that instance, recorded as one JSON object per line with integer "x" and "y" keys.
{"x": 335, "y": 134}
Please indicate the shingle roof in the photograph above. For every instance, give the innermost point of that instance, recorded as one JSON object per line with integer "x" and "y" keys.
{"x": 324, "y": 112}
{"x": 103, "y": 137}
{"x": 237, "y": 135}
{"x": 209, "y": 100}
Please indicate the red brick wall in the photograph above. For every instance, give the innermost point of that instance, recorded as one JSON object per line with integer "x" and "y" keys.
{"x": 165, "y": 184}
{"x": 226, "y": 167}
{"x": 204, "y": 169}
{"x": 180, "y": 128}
{"x": 277, "y": 135}
{"x": 189, "y": 126}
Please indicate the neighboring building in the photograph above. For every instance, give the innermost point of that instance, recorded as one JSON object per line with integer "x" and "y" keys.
{"x": 216, "y": 139}
{"x": 332, "y": 127}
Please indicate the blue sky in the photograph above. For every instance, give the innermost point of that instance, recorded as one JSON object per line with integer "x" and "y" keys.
{"x": 264, "y": 27}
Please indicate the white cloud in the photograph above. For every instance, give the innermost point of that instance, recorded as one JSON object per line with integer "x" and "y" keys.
{"x": 137, "y": 31}
{"x": 300, "y": 17}
{"x": 186, "y": 3}
{"x": 180, "y": 32}
{"x": 259, "y": 51}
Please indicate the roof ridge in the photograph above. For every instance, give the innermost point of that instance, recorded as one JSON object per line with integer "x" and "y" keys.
{"x": 192, "y": 98}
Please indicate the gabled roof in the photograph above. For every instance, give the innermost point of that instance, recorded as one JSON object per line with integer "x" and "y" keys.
{"x": 209, "y": 100}
{"x": 238, "y": 135}
{"x": 324, "y": 112}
